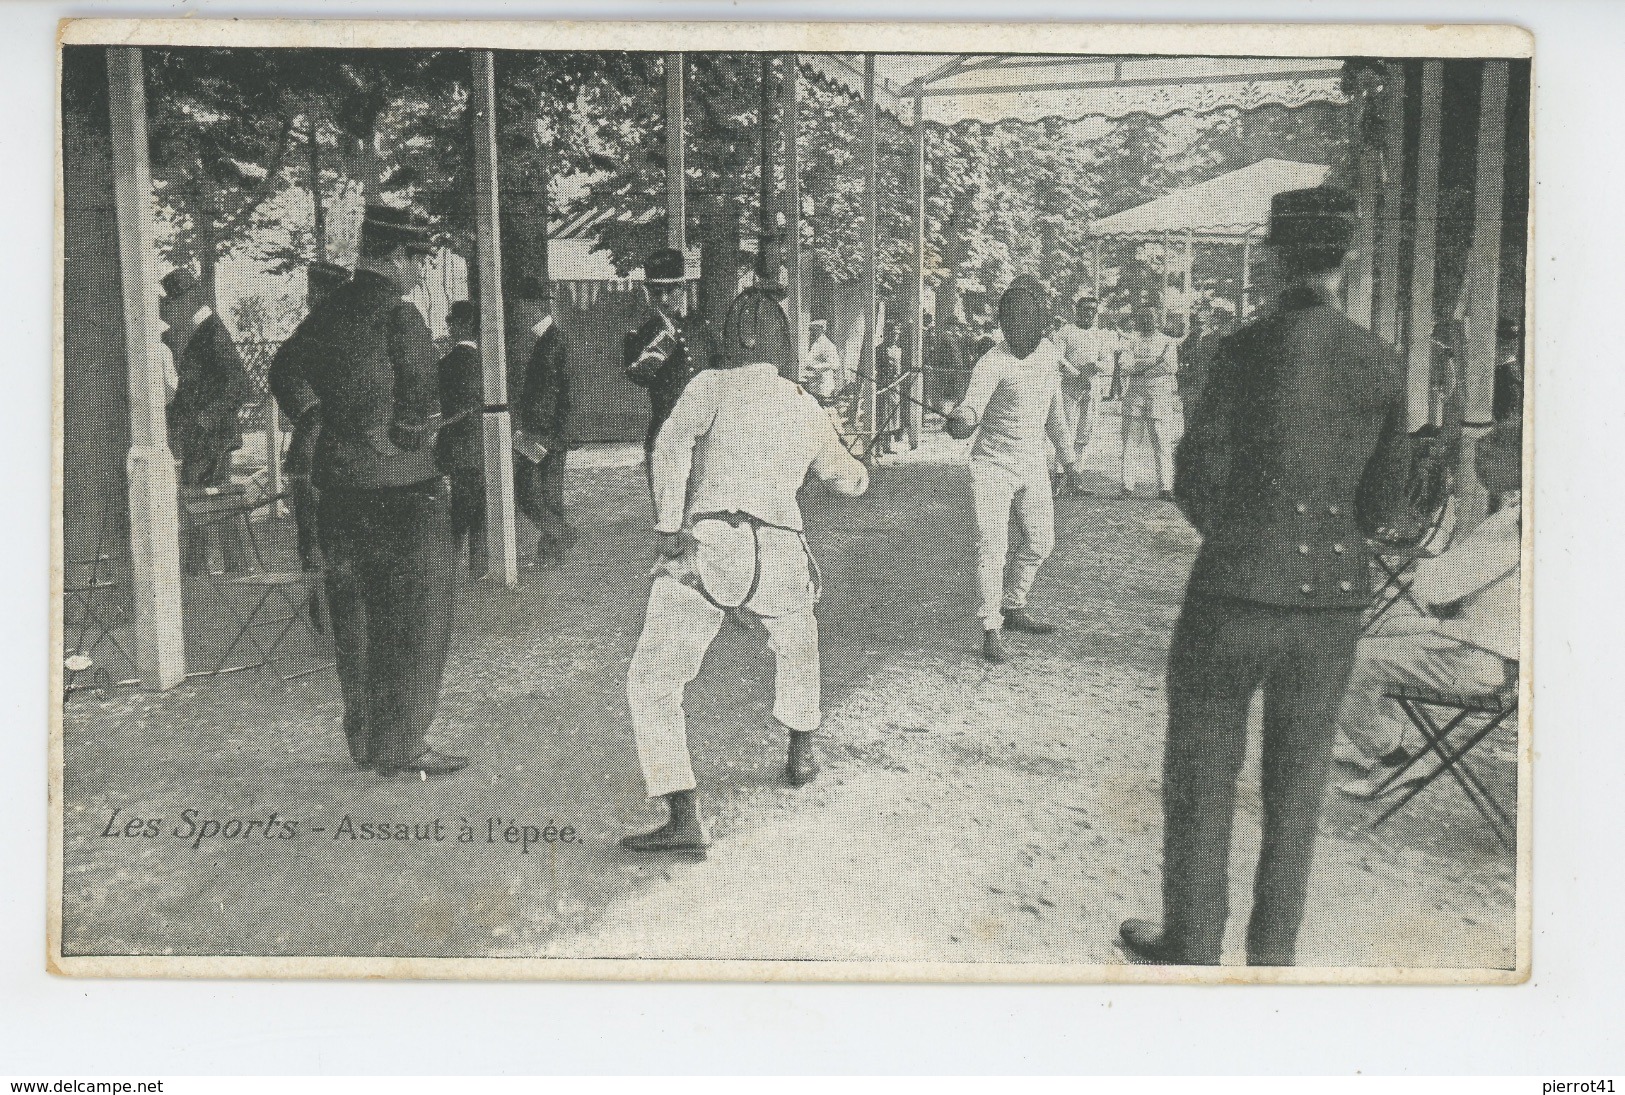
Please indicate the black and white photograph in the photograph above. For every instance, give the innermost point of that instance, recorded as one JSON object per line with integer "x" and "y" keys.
{"x": 792, "y": 502}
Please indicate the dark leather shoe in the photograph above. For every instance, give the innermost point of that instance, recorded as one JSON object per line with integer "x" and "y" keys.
{"x": 667, "y": 838}
{"x": 1016, "y": 619}
{"x": 425, "y": 764}
{"x": 1144, "y": 942}
{"x": 993, "y": 647}
{"x": 802, "y": 766}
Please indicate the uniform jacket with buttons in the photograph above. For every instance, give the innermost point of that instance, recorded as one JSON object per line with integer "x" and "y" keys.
{"x": 366, "y": 356}
{"x": 1295, "y": 453}
{"x": 695, "y": 352}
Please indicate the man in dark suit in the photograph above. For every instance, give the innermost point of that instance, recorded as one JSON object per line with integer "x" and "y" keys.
{"x": 385, "y": 512}
{"x": 211, "y": 387}
{"x": 460, "y": 448}
{"x": 546, "y": 430}
{"x": 1297, "y": 450}
{"x": 671, "y": 346}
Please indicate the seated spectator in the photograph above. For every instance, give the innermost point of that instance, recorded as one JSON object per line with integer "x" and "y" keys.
{"x": 1462, "y": 643}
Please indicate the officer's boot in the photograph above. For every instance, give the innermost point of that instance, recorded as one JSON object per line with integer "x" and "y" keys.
{"x": 993, "y": 646}
{"x": 683, "y": 831}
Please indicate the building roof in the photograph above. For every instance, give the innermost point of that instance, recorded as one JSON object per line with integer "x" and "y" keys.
{"x": 1230, "y": 205}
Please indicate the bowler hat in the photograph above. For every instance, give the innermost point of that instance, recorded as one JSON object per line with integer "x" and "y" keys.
{"x": 177, "y": 283}
{"x": 388, "y": 226}
{"x": 1320, "y": 218}
{"x": 665, "y": 267}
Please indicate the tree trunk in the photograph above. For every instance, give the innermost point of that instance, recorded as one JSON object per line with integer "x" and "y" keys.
{"x": 319, "y": 211}
{"x": 719, "y": 260}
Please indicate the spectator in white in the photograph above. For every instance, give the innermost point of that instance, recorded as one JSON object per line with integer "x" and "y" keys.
{"x": 1012, "y": 403}
{"x": 824, "y": 372}
{"x": 727, "y": 466}
{"x": 1151, "y": 399}
{"x": 1088, "y": 356}
{"x": 1466, "y": 642}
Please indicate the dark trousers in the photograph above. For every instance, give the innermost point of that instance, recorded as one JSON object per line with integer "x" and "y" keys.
{"x": 199, "y": 474}
{"x": 468, "y": 515}
{"x": 539, "y": 493}
{"x": 390, "y": 591}
{"x": 1224, "y": 650}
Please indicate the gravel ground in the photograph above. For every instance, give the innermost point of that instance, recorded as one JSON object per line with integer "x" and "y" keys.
{"x": 966, "y": 813}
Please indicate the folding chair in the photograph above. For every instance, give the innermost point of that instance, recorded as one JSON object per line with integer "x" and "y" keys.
{"x": 90, "y": 593}
{"x": 266, "y": 590}
{"x": 1476, "y": 718}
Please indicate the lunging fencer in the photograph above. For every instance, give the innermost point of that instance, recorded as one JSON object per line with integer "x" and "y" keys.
{"x": 726, "y": 467}
{"x": 1013, "y": 401}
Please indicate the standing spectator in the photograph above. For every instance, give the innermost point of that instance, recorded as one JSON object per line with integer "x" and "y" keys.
{"x": 888, "y": 407}
{"x": 460, "y": 448}
{"x": 671, "y": 346}
{"x": 546, "y": 435}
{"x": 1088, "y": 356}
{"x": 945, "y": 364}
{"x": 1507, "y": 398}
{"x": 824, "y": 372}
{"x": 1151, "y": 399}
{"x": 211, "y": 388}
{"x": 1296, "y": 454}
{"x": 385, "y": 519}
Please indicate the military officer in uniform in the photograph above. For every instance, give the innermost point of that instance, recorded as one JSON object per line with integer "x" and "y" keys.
{"x": 385, "y": 512}
{"x": 545, "y": 436}
{"x": 1297, "y": 450}
{"x": 671, "y": 346}
{"x": 211, "y": 387}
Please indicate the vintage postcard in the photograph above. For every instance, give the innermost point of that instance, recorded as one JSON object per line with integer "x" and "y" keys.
{"x": 792, "y": 502}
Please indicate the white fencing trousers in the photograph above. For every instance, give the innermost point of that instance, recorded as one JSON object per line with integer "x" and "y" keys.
{"x": 677, "y": 630}
{"x": 1151, "y": 408}
{"x": 996, "y": 491}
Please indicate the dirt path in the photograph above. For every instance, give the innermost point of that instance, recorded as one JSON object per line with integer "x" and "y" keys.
{"x": 966, "y": 813}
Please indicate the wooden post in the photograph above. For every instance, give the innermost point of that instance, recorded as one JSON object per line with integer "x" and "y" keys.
{"x": 676, "y": 189}
{"x": 160, "y": 648}
{"x": 871, "y": 207}
{"x": 1167, "y": 257}
{"x": 1424, "y": 246}
{"x": 1246, "y": 273}
{"x": 1368, "y": 168}
{"x": 1483, "y": 286}
{"x": 1097, "y": 272}
{"x": 1390, "y": 236}
{"x": 792, "y": 207}
{"x": 1190, "y": 279}
{"x": 500, "y": 533}
{"x": 916, "y": 338}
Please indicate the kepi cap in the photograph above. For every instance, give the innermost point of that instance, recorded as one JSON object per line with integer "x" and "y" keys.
{"x": 1318, "y": 218}
{"x": 665, "y": 267}
{"x": 392, "y": 227}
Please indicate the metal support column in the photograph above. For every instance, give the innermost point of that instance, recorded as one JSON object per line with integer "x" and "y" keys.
{"x": 160, "y": 649}
{"x": 500, "y": 531}
{"x": 1242, "y": 308}
{"x": 1190, "y": 279}
{"x": 792, "y": 207}
{"x": 916, "y": 416}
{"x": 1390, "y": 225}
{"x": 1424, "y": 247}
{"x": 871, "y": 206}
{"x": 676, "y": 190}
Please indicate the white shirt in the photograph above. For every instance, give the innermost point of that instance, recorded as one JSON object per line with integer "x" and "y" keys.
{"x": 1151, "y": 356}
{"x": 1482, "y": 572}
{"x": 742, "y": 441}
{"x": 1085, "y": 351}
{"x": 1017, "y": 402}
